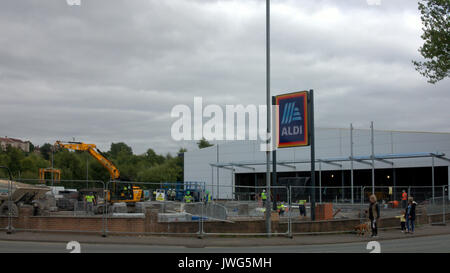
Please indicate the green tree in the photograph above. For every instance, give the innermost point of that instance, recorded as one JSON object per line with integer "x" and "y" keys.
{"x": 46, "y": 151}
{"x": 120, "y": 148}
{"x": 15, "y": 157}
{"x": 203, "y": 143}
{"x": 153, "y": 158}
{"x": 436, "y": 36}
{"x": 70, "y": 165}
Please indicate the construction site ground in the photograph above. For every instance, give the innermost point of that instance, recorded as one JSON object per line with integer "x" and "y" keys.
{"x": 210, "y": 241}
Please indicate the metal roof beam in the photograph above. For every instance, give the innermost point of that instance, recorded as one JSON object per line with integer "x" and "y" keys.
{"x": 245, "y": 167}
{"x": 330, "y": 163}
{"x": 442, "y": 157}
{"x": 362, "y": 161}
{"x": 286, "y": 165}
{"x": 384, "y": 161}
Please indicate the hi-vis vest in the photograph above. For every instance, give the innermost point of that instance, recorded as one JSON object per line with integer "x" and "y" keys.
{"x": 187, "y": 198}
{"x": 404, "y": 196}
{"x": 301, "y": 202}
{"x": 89, "y": 198}
{"x": 208, "y": 197}
{"x": 263, "y": 196}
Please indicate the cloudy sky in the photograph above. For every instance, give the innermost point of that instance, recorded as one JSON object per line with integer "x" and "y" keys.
{"x": 110, "y": 71}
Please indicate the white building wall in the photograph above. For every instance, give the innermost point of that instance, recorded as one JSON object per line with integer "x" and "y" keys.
{"x": 329, "y": 143}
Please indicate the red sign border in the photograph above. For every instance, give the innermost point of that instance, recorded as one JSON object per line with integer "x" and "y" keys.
{"x": 305, "y": 121}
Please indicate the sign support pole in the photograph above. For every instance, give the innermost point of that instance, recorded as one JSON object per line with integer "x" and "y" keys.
{"x": 313, "y": 154}
{"x": 274, "y": 159}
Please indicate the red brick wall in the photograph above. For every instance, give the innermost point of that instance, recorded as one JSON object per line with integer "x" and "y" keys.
{"x": 150, "y": 224}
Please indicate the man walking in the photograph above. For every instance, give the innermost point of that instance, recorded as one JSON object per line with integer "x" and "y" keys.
{"x": 374, "y": 215}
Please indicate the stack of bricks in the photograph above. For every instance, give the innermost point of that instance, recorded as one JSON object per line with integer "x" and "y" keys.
{"x": 324, "y": 211}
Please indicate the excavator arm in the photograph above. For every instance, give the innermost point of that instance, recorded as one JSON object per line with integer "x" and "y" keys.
{"x": 94, "y": 152}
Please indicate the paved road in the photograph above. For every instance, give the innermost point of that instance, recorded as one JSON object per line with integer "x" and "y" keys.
{"x": 433, "y": 244}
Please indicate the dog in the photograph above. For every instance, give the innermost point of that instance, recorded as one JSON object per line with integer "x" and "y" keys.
{"x": 362, "y": 229}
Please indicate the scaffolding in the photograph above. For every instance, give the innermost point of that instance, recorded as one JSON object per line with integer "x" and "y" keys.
{"x": 367, "y": 160}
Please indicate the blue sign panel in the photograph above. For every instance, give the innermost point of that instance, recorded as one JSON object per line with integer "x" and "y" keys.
{"x": 292, "y": 119}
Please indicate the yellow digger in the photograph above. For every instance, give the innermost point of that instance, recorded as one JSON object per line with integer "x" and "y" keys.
{"x": 120, "y": 192}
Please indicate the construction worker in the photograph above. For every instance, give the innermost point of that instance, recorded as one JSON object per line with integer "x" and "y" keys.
{"x": 208, "y": 197}
{"x": 301, "y": 207}
{"x": 264, "y": 197}
{"x": 124, "y": 192}
{"x": 281, "y": 208}
{"x": 90, "y": 199}
{"x": 404, "y": 199}
{"x": 188, "y": 197}
{"x": 173, "y": 195}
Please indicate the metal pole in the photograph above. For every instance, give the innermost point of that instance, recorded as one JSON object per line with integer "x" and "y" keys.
{"x": 320, "y": 181}
{"x": 87, "y": 171}
{"x": 9, "y": 228}
{"x": 268, "y": 101}
{"x": 233, "y": 193}
{"x": 274, "y": 159}
{"x": 373, "y": 157}
{"x": 218, "y": 169}
{"x": 53, "y": 148}
{"x": 313, "y": 155}
{"x": 351, "y": 160}
{"x": 432, "y": 178}
{"x": 361, "y": 219}
{"x": 443, "y": 203}
{"x": 289, "y": 189}
{"x": 212, "y": 181}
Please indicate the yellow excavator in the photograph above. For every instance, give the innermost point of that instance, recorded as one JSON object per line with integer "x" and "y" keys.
{"x": 121, "y": 192}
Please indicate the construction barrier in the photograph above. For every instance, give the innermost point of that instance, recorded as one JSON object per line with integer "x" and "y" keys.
{"x": 191, "y": 209}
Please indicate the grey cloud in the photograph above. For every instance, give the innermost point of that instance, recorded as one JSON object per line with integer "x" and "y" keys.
{"x": 111, "y": 71}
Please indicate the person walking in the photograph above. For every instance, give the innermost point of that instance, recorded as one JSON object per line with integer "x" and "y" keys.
{"x": 410, "y": 215}
{"x": 374, "y": 215}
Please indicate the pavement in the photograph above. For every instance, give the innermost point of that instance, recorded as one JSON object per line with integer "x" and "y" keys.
{"x": 428, "y": 244}
{"x": 214, "y": 241}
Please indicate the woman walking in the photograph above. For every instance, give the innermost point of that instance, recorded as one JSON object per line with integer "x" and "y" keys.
{"x": 410, "y": 215}
{"x": 374, "y": 214}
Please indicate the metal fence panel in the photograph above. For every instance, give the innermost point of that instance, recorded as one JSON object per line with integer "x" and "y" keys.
{"x": 162, "y": 208}
{"x": 157, "y": 208}
{"x": 48, "y": 206}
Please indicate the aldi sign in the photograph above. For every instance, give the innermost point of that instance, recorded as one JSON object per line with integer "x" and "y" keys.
{"x": 292, "y": 119}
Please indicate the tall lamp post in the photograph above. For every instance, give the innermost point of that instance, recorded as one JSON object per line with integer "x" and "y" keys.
{"x": 268, "y": 103}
